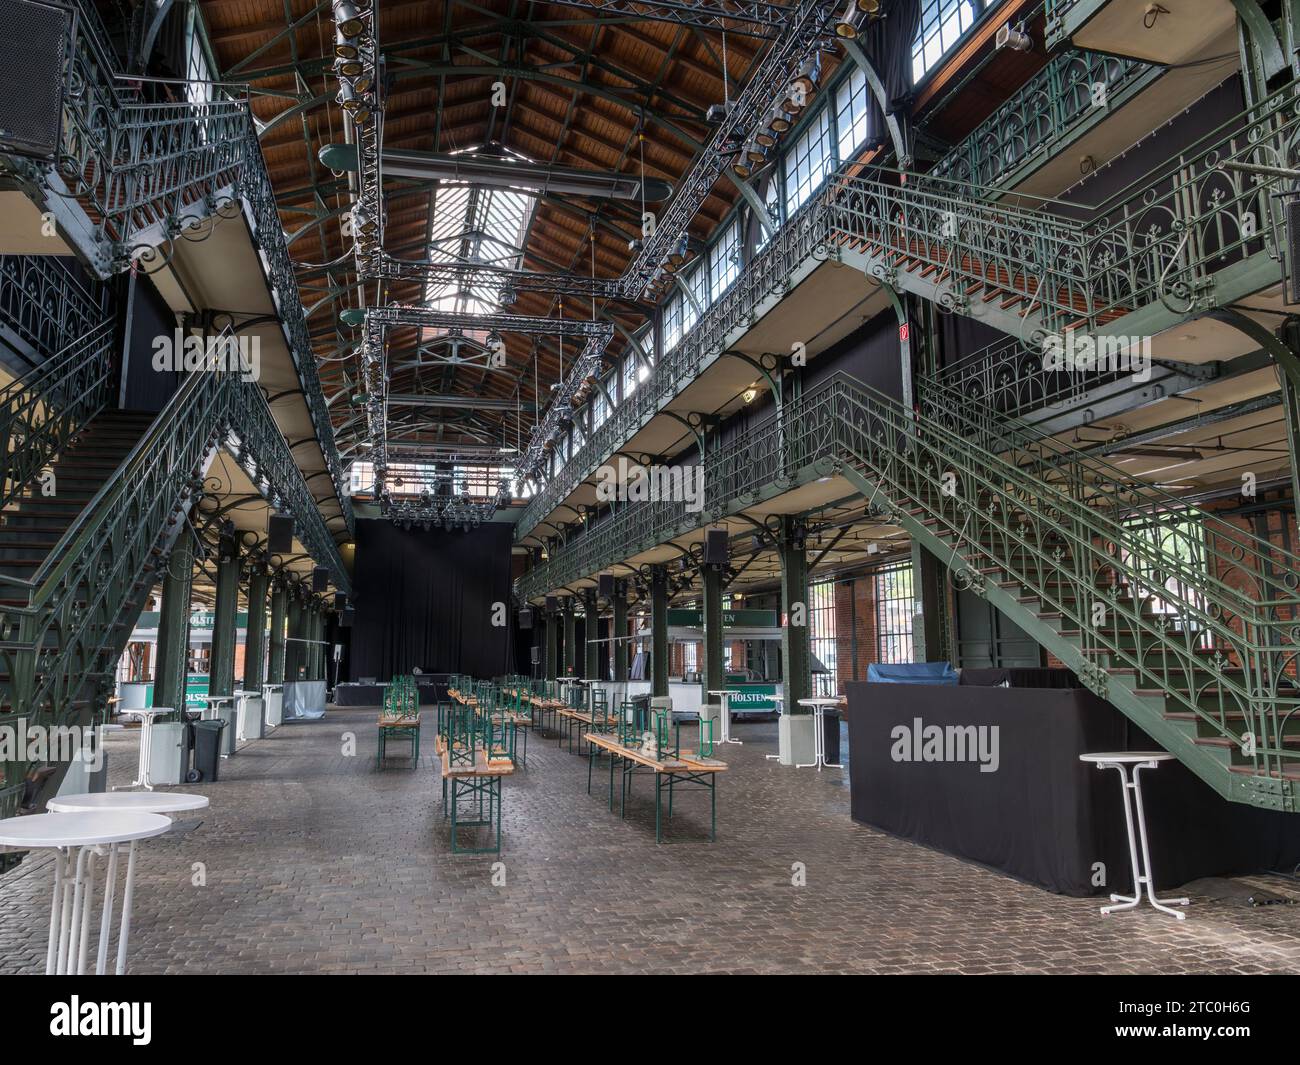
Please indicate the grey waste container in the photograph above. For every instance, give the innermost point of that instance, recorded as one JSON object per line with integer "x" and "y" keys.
{"x": 207, "y": 750}
{"x": 831, "y": 735}
{"x": 227, "y": 715}
{"x": 168, "y": 753}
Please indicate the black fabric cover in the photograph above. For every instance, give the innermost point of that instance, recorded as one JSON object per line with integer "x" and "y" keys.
{"x": 1044, "y": 816}
{"x": 426, "y": 599}
{"x": 373, "y": 695}
{"x": 1019, "y": 677}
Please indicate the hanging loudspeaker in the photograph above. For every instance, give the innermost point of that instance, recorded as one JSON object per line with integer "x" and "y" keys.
{"x": 536, "y": 655}
{"x": 605, "y": 585}
{"x": 320, "y": 579}
{"x": 345, "y": 619}
{"x": 1292, "y": 213}
{"x": 716, "y": 552}
{"x": 34, "y": 68}
{"x": 340, "y": 601}
{"x": 279, "y": 534}
{"x": 552, "y": 603}
{"x": 526, "y": 617}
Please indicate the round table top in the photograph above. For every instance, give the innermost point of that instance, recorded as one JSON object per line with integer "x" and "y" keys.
{"x": 81, "y": 829}
{"x": 1127, "y": 757}
{"x": 144, "y": 711}
{"x": 821, "y": 701}
{"x": 147, "y": 802}
{"x": 216, "y": 698}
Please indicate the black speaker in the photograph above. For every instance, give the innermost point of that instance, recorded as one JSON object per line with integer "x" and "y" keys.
{"x": 525, "y": 617}
{"x": 320, "y": 579}
{"x": 279, "y": 530}
{"x": 552, "y": 603}
{"x": 605, "y": 585}
{"x": 340, "y": 601}
{"x": 35, "y": 48}
{"x": 536, "y": 655}
{"x": 345, "y": 618}
{"x": 716, "y": 550}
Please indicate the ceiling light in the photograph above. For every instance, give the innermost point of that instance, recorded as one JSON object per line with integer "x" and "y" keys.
{"x": 755, "y": 152}
{"x": 742, "y": 167}
{"x": 810, "y": 73}
{"x": 349, "y": 68}
{"x": 778, "y": 120}
{"x": 849, "y": 21}
{"x": 765, "y": 137}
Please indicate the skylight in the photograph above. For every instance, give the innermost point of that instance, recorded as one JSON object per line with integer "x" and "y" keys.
{"x": 476, "y": 224}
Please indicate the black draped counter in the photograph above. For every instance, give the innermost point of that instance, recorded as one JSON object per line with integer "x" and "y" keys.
{"x": 1042, "y": 815}
{"x": 431, "y": 692}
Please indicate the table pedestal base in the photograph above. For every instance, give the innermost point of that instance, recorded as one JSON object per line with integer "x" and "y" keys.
{"x": 1142, "y": 876}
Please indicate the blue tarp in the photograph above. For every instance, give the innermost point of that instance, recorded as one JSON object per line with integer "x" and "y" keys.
{"x": 911, "y": 673}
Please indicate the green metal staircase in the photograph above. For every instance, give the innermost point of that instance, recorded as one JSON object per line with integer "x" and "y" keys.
{"x": 76, "y": 568}
{"x": 1185, "y": 622}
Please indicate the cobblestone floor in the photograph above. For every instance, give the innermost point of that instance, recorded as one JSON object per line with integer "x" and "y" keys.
{"x": 316, "y": 862}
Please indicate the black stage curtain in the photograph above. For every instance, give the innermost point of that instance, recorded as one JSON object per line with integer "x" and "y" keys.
{"x": 1018, "y": 677}
{"x": 425, "y": 599}
{"x": 887, "y": 42}
{"x": 1044, "y": 816}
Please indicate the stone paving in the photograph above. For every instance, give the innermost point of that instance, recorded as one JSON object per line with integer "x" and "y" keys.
{"x": 316, "y": 862}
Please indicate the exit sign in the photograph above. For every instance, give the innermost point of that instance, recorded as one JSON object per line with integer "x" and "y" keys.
{"x": 904, "y": 332}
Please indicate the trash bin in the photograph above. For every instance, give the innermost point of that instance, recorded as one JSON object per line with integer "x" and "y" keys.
{"x": 207, "y": 751}
{"x": 831, "y": 735}
{"x": 227, "y": 715}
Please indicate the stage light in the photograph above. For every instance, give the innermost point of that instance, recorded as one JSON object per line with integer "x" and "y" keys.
{"x": 778, "y": 120}
{"x": 343, "y": 47}
{"x": 765, "y": 137}
{"x": 349, "y": 18}
{"x": 810, "y": 73}
{"x": 854, "y": 12}
{"x": 755, "y": 152}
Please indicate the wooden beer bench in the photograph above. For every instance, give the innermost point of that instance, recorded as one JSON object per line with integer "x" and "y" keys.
{"x": 476, "y": 780}
{"x": 688, "y": 771}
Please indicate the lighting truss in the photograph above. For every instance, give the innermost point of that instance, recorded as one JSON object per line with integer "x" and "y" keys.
{"x": 746, "y": 18}
{"x": 375, "y": 374}
{"x": 429, "y": 511}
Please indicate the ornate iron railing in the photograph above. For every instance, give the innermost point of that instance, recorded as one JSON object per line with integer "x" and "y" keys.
{"x": 1064, "y": 15}
{"x": 1073, "y": 91}
{"x": 43, "y": 410}
{"x": 145, "y": 160}
{"x": 1189, "y": 605}
{"x": 45, "y": 304}
{"x": 1162, "y": 245}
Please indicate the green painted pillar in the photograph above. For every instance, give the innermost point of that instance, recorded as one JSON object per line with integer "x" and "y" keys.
{"x": 552, "y": 664}
{"x": 221, "y": 679}
{"x": 293, "y": 647}
{"x": 174, "y": 623}
{"x": 255, "y": 639}
{"x": 618, "y": 646}
{"x": 658, "y": 631}
{"x": 279, "y": 607}
{"x": 571, "y": 660}
{"x": 796, "y": 635}
{"x": 712, "y": 676}
{"x": 929, "y": 626}
{"x": 591, "y": 634}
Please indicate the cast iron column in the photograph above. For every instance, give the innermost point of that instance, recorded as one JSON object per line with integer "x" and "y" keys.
{"x": 712, "y": 677}
{"x": 796, "y": 639}
{"x": 570, "y": 637}
{"x": 618, "y": 630}
{"x": 928, "y": 626}
{"x": 279, "y": 606}
{"x": 552, "y": 664}
{"x": 293, "y": 648}
{"x": 255, "y": 638}
{"x": 174, "y": 624}
{"x": 221, "y": 668}
{"x": 591, "y": 634}
{"x": 658, "y": 631}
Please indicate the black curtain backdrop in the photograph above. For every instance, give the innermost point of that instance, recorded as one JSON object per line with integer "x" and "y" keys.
{"x": 425, "y": 599}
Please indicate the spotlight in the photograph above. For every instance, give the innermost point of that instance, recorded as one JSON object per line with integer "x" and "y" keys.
{"x": 742, "y": 168}
{"x": 847, "y": 24}
{"x": 755, "y": 152}
{"x": 349, "y": 19}
{"x": 765, "y": 137}
{"x": 343, "y": 47}
{"x": 810, "y": 73}
{"x": 681, "y": 253}
{"x": 1016, "y": 39}
{"x": 778, "y": 121}
{"x": 348, "y": 68}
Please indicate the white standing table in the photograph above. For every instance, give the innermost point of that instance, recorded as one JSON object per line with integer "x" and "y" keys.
{"x": 779, "y": 699}
{"x": 725, "y": 717}
{"x": 76, "y": 839}
{"x": 146, "y": 716}
{"x": 819, "y": 734}
{"x": 1121, "y": 762}
{"x": 214, "y": 704}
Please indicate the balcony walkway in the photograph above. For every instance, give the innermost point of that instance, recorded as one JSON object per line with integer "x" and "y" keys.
{"x": 315, "y": 862}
